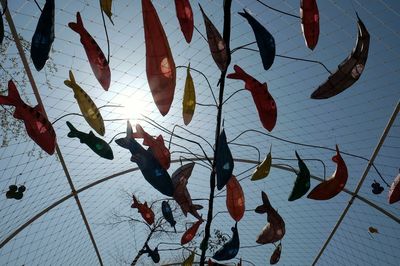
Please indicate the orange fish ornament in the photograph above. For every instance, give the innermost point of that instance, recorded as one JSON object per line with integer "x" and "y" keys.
{"x": 97, "y": 60}
{"x": 160, "y": 65}
{"x": 262, "y": 170}
{"x": 157, "y": 146}
{"x": 216, "y": 42}
{"x": 144, "y": 210}
{"x": 394, "y": 191}
{"x": 185, "y": 16}
{"x": 189, "y": 98}
{"x": 36, "y": 123}
{"x": 266, "y": 107}
{"x": 309, "y": 16}
{"x": 235, "y": 199}
{"x": 331, "y": 187}
{"x": 191, "y": 232}
{"x": 274, "y": 230}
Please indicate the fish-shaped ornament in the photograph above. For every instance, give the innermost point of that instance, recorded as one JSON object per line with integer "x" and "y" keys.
{"x": 160, "y": 65}
{"x": 181, "y": 194}
{"x": 154, "y": 254}
{"x": 350, "y": 70}
{"x": 189, "y": 260}
{"x": 189, "y": 98}
{"x": 276, "y": 255}
{"x": 167, "y": 213}
{"x": 44, "y": 36}
{"x": 266, "y": 107}
{"x": 274, "y": 230}
{"x": 235, "y": 199}
{"x": 144, "y": 210}
{"x": 36, "y": 123}
{"x": 191, "y": 232}
{"x": 97, "y": 60}
{"x": 331, "y": 187}
{"x": 88, "y": 108}
{"x": 263, "y": 169}
{"x": 309, "y": 16}
{"x": 394, "y": 191}
{"x": 157, "y": 146}
{"x": 106, "y": 7}
{"x": 231, "y": 248}
{"x": 216, "y": 43}
{"x": 224, "y": 165}
{"x": 265, "y": 40}
{"x": 185, "y": 16}
{"x": 151, "y": 169}
{"x": 302, "y": 183}
{"x": 99, "y": 146}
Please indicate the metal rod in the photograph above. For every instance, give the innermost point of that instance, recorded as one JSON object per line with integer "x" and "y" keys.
{"x": 364, "y": 175}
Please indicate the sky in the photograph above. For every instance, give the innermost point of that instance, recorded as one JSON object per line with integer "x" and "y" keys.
{"x": 354, "y": 120}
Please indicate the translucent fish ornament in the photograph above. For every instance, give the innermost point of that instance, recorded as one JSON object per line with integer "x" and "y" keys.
{"x": 185, "y": 16}
{"x": 263, "y": 169}
{"x": 265, "y": 40}
{"x": 191, "y": 232}
{"x": 160, "y": 65}
{"x": 106, "y": 7}
{"x": 189, "y": 98}
{"x": 216, "y": 43}
{"x": 331, "y": 187}
{"x": 309, "y": 16}
{"x": 302, "y": 182}
{"x": 231, "y": 248}
{"x": 44, "y": 36}
{"x": 235, "y": 199}
{"x": 224, "y": 164}
{"x": 88, "y": 108}
{"x": 99, "y": 146}
{"x": 394, "y": 191}
{"x": 350, "y": 70}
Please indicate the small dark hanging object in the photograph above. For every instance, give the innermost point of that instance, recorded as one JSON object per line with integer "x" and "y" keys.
{"x": 167, "y": 213}
{"x": 44, "y": 36}
{"x": 216, "y": 43}
{"x": 99, "y": 146}
{"x": 224, "y": 164}
{"x": 309, "y": 16}
{"x": 185, "y": 16}
{"x": 376, "y": 188}
{"x": 274, "y": 230}
{"x": 265, "y": 40}
{"x": 302, "y": 183}
{"x": 394, "y": 191}
{"x": 231, "y": 248}
{"x": 155, "y": 256}
{"x": 15, "y": 192}
{"x": 350, "y": 70}
{"x": 151, "y": 169}
{"x": 276, "y": 255}
{"x": 97, "y": 60}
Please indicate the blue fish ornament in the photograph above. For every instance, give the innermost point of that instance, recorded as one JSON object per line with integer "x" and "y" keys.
{"x": 302, "y": 183}
{"x": 167, "y": 213}
{"x": 43, "y": 37}
{"x": 151, "y": 169}
{"x": 224, "y": 165}
{"x": 231, "y": 248}
{"x": 265, "y": 40}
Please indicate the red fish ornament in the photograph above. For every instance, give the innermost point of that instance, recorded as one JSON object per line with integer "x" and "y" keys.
{"x": 309, "y": 16}
{"x": 36, "y": 123}
{"x": 160, "y": 66}
{"x": 157, "y": 146}
{"x": 276, "y": 255}
{"x": 97, "y": 60}
{"x": 191, "y": 232}
{"x": 331, "y": 187}
{"x": 185, "y": 16}
{"x": 274, "y": 230}
{"x": 144, "y": 210}
{"x": 235, "y": 199}
{"x": 266, "y": 107}
{"x": 394, "y": 191}
{"x": 216, "y": 43}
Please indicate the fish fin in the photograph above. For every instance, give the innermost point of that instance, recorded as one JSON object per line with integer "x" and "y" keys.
{"x": 135, "y": 203}
{"x": 239, "y": 73}
{"x": 71, "y": 82}
{"x": 38, "y": 108}
{"x": 197, "y": 207}
{"x": 78, "y": 26}
{"x": 123, "y": 142}
{"x": 72, "y": 133}
{"x": 134, "y": 159}
{"x": 13, "y": 97}
{"x": 261, "y": 209}
{"x": 161, "y": 139}
{"x": 245, "y": 14}
{"x": 266, "y": 204}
